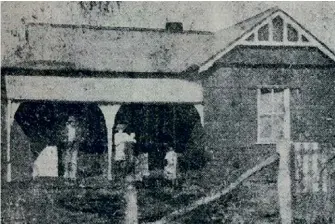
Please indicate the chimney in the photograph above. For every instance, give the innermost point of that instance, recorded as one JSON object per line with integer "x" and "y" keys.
{"x": 174, "y": 27}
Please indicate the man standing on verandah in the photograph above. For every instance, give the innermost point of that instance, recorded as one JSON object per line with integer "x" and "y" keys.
{"x": 72, "y": 140}
{"x": 123, "y": 153}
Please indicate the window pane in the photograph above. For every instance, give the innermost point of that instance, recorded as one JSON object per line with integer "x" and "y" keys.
{"x": 304, "y": 39}
{"x": 265, "y": 101}
{"x": 278, "y": 127}
{"x": 263, "y": 33}
{"x": 278, "y": 29}
{"x": 251, "y": 37}
{"x": 292, "y": 34}
{"x": 278, "y": 101}
{"x": 265, "y": 127}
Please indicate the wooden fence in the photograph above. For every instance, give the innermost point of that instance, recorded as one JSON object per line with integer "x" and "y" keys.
{"x": 312, "y": 181}
{"x": 311, "y": 167}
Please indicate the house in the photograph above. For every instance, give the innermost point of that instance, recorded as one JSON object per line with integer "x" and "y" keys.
{"x": 248, "y": 86}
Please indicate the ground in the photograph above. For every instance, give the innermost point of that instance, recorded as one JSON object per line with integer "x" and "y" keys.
{"x": 99, "y": 201}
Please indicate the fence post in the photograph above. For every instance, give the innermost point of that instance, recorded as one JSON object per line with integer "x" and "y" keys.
{"x": 284, "y": 182}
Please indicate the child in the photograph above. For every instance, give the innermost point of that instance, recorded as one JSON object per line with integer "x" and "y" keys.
{"x": 170, "y": 168}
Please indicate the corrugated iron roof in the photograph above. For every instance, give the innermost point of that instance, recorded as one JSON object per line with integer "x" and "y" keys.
{"x": 116, "y": 49}
{"x": 129, "y": 49}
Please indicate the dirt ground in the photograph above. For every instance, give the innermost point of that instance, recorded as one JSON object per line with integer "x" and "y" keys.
{"x": 99, "y": 201}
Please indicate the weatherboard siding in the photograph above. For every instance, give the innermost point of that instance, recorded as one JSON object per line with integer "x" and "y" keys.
{"x": 299, "y": 56}
{"x": 230, "y": 99}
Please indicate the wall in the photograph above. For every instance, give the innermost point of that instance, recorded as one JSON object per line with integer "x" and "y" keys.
{"x": 230, "y": 98}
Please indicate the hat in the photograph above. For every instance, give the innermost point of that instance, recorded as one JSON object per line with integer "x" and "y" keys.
{"x": 121, "y": 126}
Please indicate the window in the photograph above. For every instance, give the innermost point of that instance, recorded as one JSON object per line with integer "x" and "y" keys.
{"x": 273, "y": 115}
{"x": 263, "y": 33}
{"x": 278, "y": 29}
{"x": 292, "y": 34}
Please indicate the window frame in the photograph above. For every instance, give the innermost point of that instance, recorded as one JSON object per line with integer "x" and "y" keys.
{"x": 286, "y": 113}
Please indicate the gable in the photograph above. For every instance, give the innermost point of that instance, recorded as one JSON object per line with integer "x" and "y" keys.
{"x": 275, "y": 29}
{"x": 278, "y": 30}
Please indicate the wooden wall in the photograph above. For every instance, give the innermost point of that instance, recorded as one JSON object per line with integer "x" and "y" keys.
{"x": 230, "y": 99}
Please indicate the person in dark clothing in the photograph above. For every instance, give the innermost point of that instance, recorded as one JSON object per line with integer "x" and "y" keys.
{"x": 71, "y": 137}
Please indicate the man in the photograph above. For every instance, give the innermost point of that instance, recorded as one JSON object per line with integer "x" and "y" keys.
{"x": 122, "y": 153}
{"x": 72, "y": 142}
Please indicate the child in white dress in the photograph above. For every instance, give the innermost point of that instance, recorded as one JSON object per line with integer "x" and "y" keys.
{"x": 170, "y": 168}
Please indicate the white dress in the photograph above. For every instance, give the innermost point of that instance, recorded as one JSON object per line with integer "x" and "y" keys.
{"x": 46, "y": 164}
{"x": 120, "y": 139}
{"x": 170, "y": 170}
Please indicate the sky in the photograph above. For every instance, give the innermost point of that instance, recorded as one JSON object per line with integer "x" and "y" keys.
{"x": 318, "y": 17}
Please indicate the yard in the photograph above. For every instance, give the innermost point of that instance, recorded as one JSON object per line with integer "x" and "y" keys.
{"x": 98, "y": 201}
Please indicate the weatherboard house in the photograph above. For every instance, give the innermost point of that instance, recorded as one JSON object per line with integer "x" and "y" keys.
{"x": 246, "y": 87}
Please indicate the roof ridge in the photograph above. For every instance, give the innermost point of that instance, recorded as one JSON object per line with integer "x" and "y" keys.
{"x": 272, "y": 10}
{"x": 116, "y": 28}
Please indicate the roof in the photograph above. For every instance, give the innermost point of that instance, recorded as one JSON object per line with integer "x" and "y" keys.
{"x": 135, "y": 49}
{"x": 113, "y": 49}
{"x": 226, "y": 37}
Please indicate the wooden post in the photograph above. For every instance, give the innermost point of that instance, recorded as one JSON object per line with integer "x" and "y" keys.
{"x": 284, "y": 182}
{"x": 109, "y": 112}
{"x": 10, "y": 112}
{"x": 130, "y": 196}
{"x": 200, "y": 109}
{"x": 8, "y": 127}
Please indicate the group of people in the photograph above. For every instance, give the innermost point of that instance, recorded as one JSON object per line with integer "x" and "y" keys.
{"x": 125, "y": 160}
{"x": 139, "y": 164}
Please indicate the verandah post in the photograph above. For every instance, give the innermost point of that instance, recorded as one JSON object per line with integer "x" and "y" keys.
{"x": 109, "y": 112}
{"x": 9, "y": 115}
{"x": 200, "y": 109}
{"x": 8, "y": 127}
{"x": 284, "y": 182}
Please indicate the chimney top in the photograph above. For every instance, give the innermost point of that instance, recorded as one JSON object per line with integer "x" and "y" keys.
{"x": 174, "y": 27}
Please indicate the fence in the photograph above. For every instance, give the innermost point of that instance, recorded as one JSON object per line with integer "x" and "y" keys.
{"x": 310, "y": 173}
{"x": 311, "y": 167}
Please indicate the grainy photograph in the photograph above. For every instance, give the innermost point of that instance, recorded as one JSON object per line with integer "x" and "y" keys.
{"x": 168, "y": 112}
